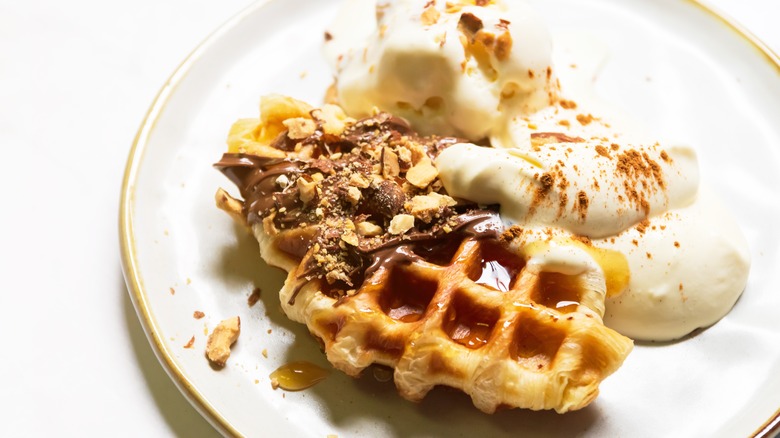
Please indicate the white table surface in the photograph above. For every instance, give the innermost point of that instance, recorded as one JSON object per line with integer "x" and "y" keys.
{"x": 76, "y": 79}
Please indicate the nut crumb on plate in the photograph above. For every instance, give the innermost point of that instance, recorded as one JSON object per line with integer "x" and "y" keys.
{"x": 221, "y": 338}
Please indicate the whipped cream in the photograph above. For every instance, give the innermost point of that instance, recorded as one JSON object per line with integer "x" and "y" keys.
{"x": 448, "y": 68}
{"x": 688, "y": 269}
{"x": 590, "y": 188}
{"x": 564, "y": 167}
{"x": 666, "y": 277}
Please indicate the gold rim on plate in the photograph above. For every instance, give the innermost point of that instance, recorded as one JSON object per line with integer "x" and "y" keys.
{"x": 133, "y": 276}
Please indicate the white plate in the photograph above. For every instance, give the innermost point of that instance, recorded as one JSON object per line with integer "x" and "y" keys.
{"x": 672, "y": 63}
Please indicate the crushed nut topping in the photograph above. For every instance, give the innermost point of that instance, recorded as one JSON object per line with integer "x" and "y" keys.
{"x": 299, "y": 128}
{"x": 219, "y": 342}
{"x": 400, "y": 224}
{"x": 429, "y": 16}
{"x": 422, "y": 173}
{"x": 351, "y": 187}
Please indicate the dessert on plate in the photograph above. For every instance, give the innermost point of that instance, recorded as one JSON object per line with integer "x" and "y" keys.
{"x": 456, "y": 215}
{"x": 385, "y": 268}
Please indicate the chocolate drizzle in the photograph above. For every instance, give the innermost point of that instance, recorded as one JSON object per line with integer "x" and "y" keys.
{"x": 478, "y": 224}
{"x": 318, "y": 193}
{"x": 256, "y": 178}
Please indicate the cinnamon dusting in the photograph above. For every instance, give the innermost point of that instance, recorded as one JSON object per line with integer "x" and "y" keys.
{"x": 568, "y": 104}
{"x": 585, "y": 119}
{"x": 512, "y": 233}
{"x": 582, "y": 204}
{"x": 601, "y": 150}
{"x": 642, "y": 177}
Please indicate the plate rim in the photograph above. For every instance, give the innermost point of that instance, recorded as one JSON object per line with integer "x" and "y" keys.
{"x": 128, "y": 256}
{"x": 129, "y": 262}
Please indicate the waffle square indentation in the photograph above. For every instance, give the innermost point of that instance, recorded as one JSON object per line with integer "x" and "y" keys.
{"x": 494, "y": 266}
{"x": 558, "y": 291}
{"x": 469, "y": 323}
{"x": 535, "y": 343}
{"x": 406, "y": 296}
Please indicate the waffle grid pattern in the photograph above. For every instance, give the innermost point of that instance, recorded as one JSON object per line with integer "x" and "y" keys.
{"x": 441, "y": 324}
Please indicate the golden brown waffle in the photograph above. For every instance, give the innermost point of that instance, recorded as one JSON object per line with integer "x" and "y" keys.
{"x": 465, "y": 310}
{"x": 436, "y": 325}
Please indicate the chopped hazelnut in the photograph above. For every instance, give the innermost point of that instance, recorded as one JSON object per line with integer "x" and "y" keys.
{"x": 453, "y": 7}
{"x": 368, "y": 229}
{"x": 306, "y": 190}
{"x": 220, "y": 340}
{"x": 405, "y": 155}
{"x": 429, "y": 16}
{"x": 422, "y": 173}
{"x": 353, "y": 195}
{"x": 359, "y": 181}
{"x": 317, "y": 177}
{"x": 444, "y": 200}
{"x": 334, "y": 276}
{"x": 283, "y": 181}
{"x": 418, "y": 152}
{"x": 351, "y": 238}
{"x": 390, "y": 167}
{"x": 332, "y": 119}
{"x": 469, "y": 24}
{"x": 376, "y": 179}
{"x": 299, "y": 128}
{"x": 503, "y": 46}
{"x": 401, "y": 223}
{"x": 408, "y": 188}
{"x": 423, "y": 207}
{"x": 386, "y": 199}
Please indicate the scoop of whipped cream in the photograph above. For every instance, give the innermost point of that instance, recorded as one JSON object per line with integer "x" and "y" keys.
{"x": 588, "y": 187}
{"x": 689, "y": 267}
{"x": 449, "y": 68}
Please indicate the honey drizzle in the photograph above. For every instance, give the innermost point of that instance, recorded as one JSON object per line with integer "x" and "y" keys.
{"x": 298, "y": 375}
{"x": 614, "y": 263}
{"x": 494, "y": 275}
{"x": 472, "y": 337}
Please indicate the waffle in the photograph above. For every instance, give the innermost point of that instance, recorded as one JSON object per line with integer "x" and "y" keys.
{"x": 448, "y": 299}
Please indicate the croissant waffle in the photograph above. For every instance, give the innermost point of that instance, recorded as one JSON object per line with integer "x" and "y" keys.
{"x": 469, "y": 310}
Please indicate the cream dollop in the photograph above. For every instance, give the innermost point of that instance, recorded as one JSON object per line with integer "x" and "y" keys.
{"x": 587, "y": 188}
{"x": 688, "y": 269}
{"x": 464, "y": 70}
